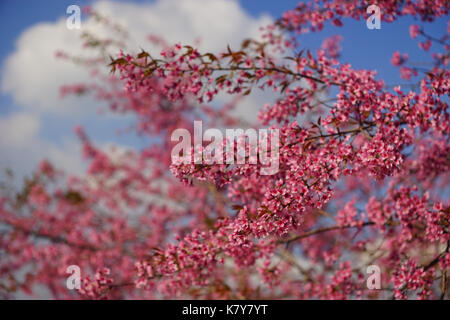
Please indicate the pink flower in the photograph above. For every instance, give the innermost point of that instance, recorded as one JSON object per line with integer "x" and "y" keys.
{"x": 332, "y": 47}
{"x": 405, "y": 73}
{"x": 337, "y": 22}
{"x": 397, "y": 59}
{"x": 414, "y": 31}
{"x": 425, "y": 45}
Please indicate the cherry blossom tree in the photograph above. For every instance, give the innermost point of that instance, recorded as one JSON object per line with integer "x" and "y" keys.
{"x": 362, "y": 180}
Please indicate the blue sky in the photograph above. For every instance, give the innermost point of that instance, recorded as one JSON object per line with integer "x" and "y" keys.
{"x": 362, "y": 47}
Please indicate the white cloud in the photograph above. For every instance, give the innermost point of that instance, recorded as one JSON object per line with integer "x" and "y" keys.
{"x": 214, "y": 22}
{"x": 33, "y": 76}
{"x": 18, "y": 129}
{"x": 22, "y": 148}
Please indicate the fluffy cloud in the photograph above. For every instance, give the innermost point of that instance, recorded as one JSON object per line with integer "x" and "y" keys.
{"x": 22, "y": 147}
{"x": 214, "y": 22}
{"x": 17, "y": 129}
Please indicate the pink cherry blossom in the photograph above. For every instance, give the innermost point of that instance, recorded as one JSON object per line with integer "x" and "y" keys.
{"x": 414, "y": 31}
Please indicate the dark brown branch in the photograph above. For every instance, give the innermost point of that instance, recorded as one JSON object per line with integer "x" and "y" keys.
{"x": 322, "y": 230}
{"x": 53, "y": 238}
